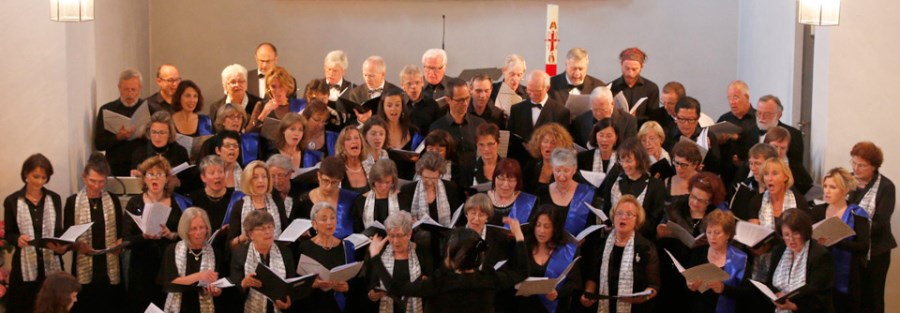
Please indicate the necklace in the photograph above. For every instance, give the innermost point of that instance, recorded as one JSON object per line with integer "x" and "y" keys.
{"x": 354, "y": 170}
{"x": 325, "y": 244}
{"x": 214, "y": 199}
{"x": 196, "y": 255}
{"x": 561, "y": 190}
{"x": 501, "y": 202}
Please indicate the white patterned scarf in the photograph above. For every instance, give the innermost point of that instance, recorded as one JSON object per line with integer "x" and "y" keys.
{"x": 420, "y": 203}
{"x": 791, "y": 271}
{"x": 28, "y": 255}
{"x": 369, "y": 208}
{"x": 767, "y": 212}
{"x": 868, "y": 200}
{"x": 370, "y": 161}
{"x": 237, "y": 176}
{"x": 288, "y": 204}
{"x": 413, "y": 304}
{"x": 85, "y": 270}
{"x": 207, "y": 263}
{"x": 626, "y": 274}
{"x": 616, "y": 193}
{"x": 270, "y": 207}
{"x": 256, "y": 301}
{"x": 598, "y": 162}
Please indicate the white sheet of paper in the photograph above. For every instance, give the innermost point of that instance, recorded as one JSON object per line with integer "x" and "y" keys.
{"x": 535, "y": 286}
{"x": 750, "y": 234}
{"x": 152, "y": 308}
{"x": 587, "y": 231}
{"x": 833, "y": 229}
{"x": 499, "y": 265}
{"x": 599, "y": 213}
{"x": 181, "y": 168}
{"x": 683, "y": 235}
{"x": 620, "y": 101}
{"x": 221, "y": 283}
{"x": 455, "y": 218}
{"x": 578, "y": 103}
{"x": 301, "y": 171}
{"x": 358, "y": 240}
{"x": 503, "y": 148}
{"x": 139, "y": 119}
{"x": 506, "y": 97}
{"x": 308, "y": 265}
{"x": 213, "y": 236}
{"x": 74, "y": 232}
{"x": 637, "y": 105}
{"x": 295, "y": 230}
{"x": 113, "y": 121}
{"x": 379, "y": 225}
{"x": 185, "y": 141}
{"x": 345, "y": 272}
{"x": 765, "y": 289}
{"x": 594, "y": 178}
{"x": 634, "y": 295}
{"x": 154, "y": 215}
{"x": 427, "y": 220}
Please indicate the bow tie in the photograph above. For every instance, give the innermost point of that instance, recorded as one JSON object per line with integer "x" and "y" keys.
{"x": 576, "y": 86}
{"x": 261, "y": 75}
{"x": 338, "y": 87}
{"x": 537, "y": 105}
{"x": 375, "y": 92}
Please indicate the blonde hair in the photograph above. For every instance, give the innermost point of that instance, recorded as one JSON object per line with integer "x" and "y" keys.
{"x": 247, "y": 176}
{"x": 783, "y": 166}
{"x": 651, "y": 127}
{"x": 842, "y": 178}
{"x": 184, "y": 224}
{"x": 641, "y": 215}
{"x": 342, "y": 137}
{"x": 560, "y": 136}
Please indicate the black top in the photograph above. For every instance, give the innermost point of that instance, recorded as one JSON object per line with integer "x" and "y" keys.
{"x": 345, "y": 184}
{"x": 190, "y": 294}
{"x": 146, "y": 254}
{"x": 239, "y": 257}
{"x": 645, "y": 269}
{"x": 544, "y": 198}
{"x": 381, "y": 212}
{"x": 654, "y": 199}
{"x": 643, "y": 88}
{"x": 118, "y": 152}
{"x": 882, "y": 238}
{"x": 560, "y": 87}
{"x": 454, "y": 198}
{"x": 756, "y": 204}
{"x": 37, "y": 220}
{"x": 706, "y": 302}
{"x": 236, "y": 223}
{"x": 713, "y": 160}
{"x": 215, "y": 207}
{"x": 438, "y": 90}
{"x": 748, "y": 136}
{"x": 423, "y": 112}
{"x": 565, "y": 291}
{"x": 173, "y": 152}
{"x": 582, "y": 128}
{"x": 491, "y": 114}
{"x": 463, "y": 134}
{"x": 98, "y": 233}
{"x": 819, "y": 279}
{"x": 318, "y": 300}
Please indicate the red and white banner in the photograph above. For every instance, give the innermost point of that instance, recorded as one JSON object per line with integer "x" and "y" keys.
{"x": 552, "y": 38}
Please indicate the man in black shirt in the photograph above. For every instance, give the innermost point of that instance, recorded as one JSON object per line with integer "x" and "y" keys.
{"x": 575, "y": 79}
{"x": 422, "y": 111}
{"x": 665, "y": 115}
{"x": 458, "y": 122}
{"x": 434, "y": 61}
{"x": 117, "y": 145}
{"x": 167, "y": 78}
{"x": 482, "y": 106}
{"x": 735, "y": 147}
{"x": 636, "y": 89}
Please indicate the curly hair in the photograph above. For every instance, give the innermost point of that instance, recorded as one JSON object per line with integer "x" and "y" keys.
{"x": 556, "y": 132}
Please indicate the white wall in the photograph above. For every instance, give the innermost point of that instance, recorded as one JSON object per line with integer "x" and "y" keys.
{"x": 854, "y": 97}
{"x": 692, "y": 41}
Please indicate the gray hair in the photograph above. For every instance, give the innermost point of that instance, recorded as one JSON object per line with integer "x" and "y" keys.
{"x": 257, "y": 218}
{"x": 377, "y": 61}
{"x": 337, "y": 57}
{"x": 279, "y": 161}
{"x": 162, "y": 117}
{"x": 772, "y": 98}
{"x": 223, "y": 113}
{"x": 232, "y": 70}
{"x": 479, "y": 201}
{"x": 184, "y": 224}
{"x": 741, "y": 86}
{"x": 319, "y": 207}
{"x": 513, "y": 60}
{"x": 383, "y": 168}
{"x": 129, "y": 74}
{"x": 539, "y": 74}
{"x": 410, "y": 71}
{"x": 577, "y": 54}
{"x": 563, "y": 157}
{"x": 211, "y": 160}
{"x": 602, "y": 93}
{"x": 435, "y": 53}
{"x": 431, "y": 161}
{"x": 401, "y": 219}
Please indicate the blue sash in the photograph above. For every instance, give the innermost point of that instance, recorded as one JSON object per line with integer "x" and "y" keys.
{"x": 345, "y": 213}
{"x": 843, "y": 257}
{"x": 349, "y": 257}
{"x": 296, "y": 105}
{"x": 330, "y": 141}
{"x": 735, "y": 263}
{"x": 559, "y": 260}
{"x": 521, "y": 208}
{"x": 204, "y": 126}
{"x": 237, "y": 195}
{"x": 723, "y": 206}
{"x": 182, "y": 201}
{"x": 576, "y": 219}
{"x": 249, "y": 147}
{"x": 416, "y": 140}
{"x": 312, "y": 157}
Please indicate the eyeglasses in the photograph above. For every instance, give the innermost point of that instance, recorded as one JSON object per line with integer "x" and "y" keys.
{"x": 765, "y": 114}
{"x": 230, "y": 145}
{"x": 155, "y": 175}
{"x": 698, "y": 199}
{"x": 685, "y": 120}
{"x": 264, "y": 228}
{"x": 628, "y": 215}
{"x": 650, "y": 139}
{"x": 412, "y": 84}
{"x": 171, "y": 80}
{"x": 430, "y": 178}
{"x": 279, "y": 176}
{"x": 329, "y": 181}
{"x": 682, "y": 164}
{"x": 397, "y": 235}
{"x": 158, "y": 133}
{"x": 482, "y": 145}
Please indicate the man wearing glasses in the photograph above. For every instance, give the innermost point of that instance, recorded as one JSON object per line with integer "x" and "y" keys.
{"x": 768, "y": 116}
{"x": 687, "y": 115}
{"x": 434, "y": 61}
{"x": 167, "y": 78}
{"x": 602, "y": 107}
{"x": 458, "y": 122}
{"x": 735, "y": 146}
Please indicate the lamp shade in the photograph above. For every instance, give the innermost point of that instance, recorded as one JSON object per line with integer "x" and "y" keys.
{"x": 819, "y": 12}
{"x": 71, "y": 10}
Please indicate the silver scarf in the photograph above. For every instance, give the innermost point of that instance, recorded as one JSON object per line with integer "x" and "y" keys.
{"x": 598, "y": 162}
{"x": 791, "y": 271}
{"x": 420, "y": 203}
{"x": 369, "y": 208}
{"x": 28, "y": 255}
{"x": 616, "y": 193}
{"x": 85, "y": 270}
{"x": 413, "y": 304}
{"x": 270, "y": 207}
{"x": 626, "y": 274}
{"x": 207, "y": 263}
{"x": 256, "y": 301}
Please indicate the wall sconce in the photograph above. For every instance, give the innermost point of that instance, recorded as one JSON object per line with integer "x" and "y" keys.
{"x": 71, "y": 10}
{"x": 819, "y": 12}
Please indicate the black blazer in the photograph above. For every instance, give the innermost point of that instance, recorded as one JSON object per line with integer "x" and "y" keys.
{"x": 819, "y": 278}
{"x": 795, "y": 149}
{"x": 583, "y": 125}
{"x": 882, "y": 238}
{"x": 520, "y": 117}
{"x": 360, "y": 94}
{"x": 559, "y": 87}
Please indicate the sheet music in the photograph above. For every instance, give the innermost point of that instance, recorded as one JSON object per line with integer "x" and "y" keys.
{"x": 620, "y": 102}
{"x": 358, "y": 240}
{"x": 503, "y": 148}
{"x": 683, "y": 235}
{"x": 221, "y": 283}
{"x": 506, "y": 97}
{"x": 587, "y": 231}
{"x": 74, "y": 232}
{"x": 301, "y": 171}
{"x": 153, "y": 217}
{"x": 295, "y": 230}
{"x": 833, "y": 229}
{"x": 640, "y": 101}
{"x": 751, "y": 234}
{"x": 152, "y": 308}
{"x": 139, "y": 119}
{"x": 599, "y": 213}
{"x": 594, "y": 178}
{"x": 181, "y": 168}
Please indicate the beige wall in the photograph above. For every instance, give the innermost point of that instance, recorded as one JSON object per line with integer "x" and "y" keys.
{"x": 855, "y": 98}
{"x": 692, "y": 41}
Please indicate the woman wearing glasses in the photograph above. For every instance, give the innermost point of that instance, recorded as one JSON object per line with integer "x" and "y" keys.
{"x": 636, "y": 181}
{"x": 652, "y": 136}
{"x": 570, "y": 198}
{"x": 545, "y": 139}
{"x": 487, "y": 139}
{"x": 331, "y": 172}
{"x": 686, "y": 160}
{"x": 160, "y": 135}
{"x": 507, "y": 195}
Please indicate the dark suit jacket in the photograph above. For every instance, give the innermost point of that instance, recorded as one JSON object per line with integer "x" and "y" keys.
{"x": 559, "y": 87}
{"x": 583, "y": 125}
{"x": 819, "y": 278}
{"x": 253, "y": 85}
{"x": 795, "y": 149}
{"x": 519, "y": 124}
{"x": 360, "y": 94}
{"x": 491, "y": 114}
{"x": 436, "y": 91}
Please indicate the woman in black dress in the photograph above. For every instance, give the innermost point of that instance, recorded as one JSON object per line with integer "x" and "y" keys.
{"x": 573, "y": 200}
{"x": 801, "y": 262}
{"x": 260, "y": 227}
{"x": 257, "y": 189}
{"x": 324, "y": 248}
{"x": 636, "y": 181}
{"x": 546, "y": 138}
{"x": 351, "y": 149}
{"x": 147, "y": 249}
{"x": 602, "y": 159}
{"x": 877, "y": 195}
{"x": 551, "y": 251}
{"x": 30, "y": 213}
{"x": 850, "y": 253}
{"x": 380, "y": 202}
{"x": 628, "y": 264}
{"x": 189, "y": 262}
{"x": 403, "y": 261}
{"x": 160, "y": 136}
{"x": 431, "y": 196}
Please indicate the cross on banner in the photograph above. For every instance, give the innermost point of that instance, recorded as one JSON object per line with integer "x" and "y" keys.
{"x": 552, "y": 38}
